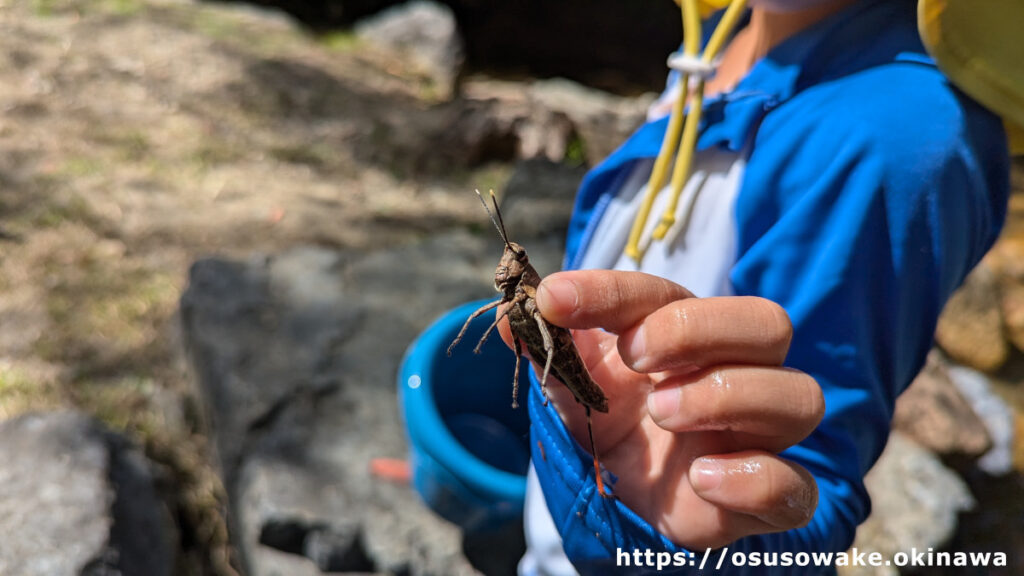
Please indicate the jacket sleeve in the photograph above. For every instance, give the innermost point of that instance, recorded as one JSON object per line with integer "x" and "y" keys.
{"x": 860, "y": 214}
{"x": 904, "y": 190}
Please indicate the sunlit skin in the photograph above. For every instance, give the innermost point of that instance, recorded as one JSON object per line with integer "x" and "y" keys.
{"x": 699, "y": 403}
{"x": 771, "y": 23}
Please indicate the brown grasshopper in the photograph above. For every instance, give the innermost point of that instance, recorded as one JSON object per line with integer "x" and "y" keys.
{"x": 517, "y": 280}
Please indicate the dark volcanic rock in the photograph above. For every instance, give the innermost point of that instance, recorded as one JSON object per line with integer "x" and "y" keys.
{"x": 297, "y": 356}
{"x": 538, "y": 201}
{"x": 260, "y": 354}
{"x": 78, "y": 500}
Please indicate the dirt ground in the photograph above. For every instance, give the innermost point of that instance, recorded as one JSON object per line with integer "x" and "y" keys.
{"x": 137, "y": 136}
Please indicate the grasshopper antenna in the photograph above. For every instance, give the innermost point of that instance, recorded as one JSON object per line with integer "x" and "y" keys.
{"x": 499, "y": 227}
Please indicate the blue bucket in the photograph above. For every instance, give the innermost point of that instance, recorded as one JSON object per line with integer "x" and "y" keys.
{"x": 469, "y": 447}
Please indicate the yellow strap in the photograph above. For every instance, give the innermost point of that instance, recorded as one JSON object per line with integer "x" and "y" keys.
{"x": 684, "y": 159}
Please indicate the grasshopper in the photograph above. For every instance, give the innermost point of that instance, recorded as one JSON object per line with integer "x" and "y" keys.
{"x": 517, "y": 280}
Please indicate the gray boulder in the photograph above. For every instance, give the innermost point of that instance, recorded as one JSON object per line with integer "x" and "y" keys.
{"x": 76, "y": 499}
{"x": 537, "y": 204}
{"x": 296, "y": 355}
{"x": 423, "y": 33}
{"x": 915, "y": 504}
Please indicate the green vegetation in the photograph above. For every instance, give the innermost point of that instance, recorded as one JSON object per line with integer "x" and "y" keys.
{"x": 21, "y": 393}
{"x": 76, "y": 166}
{"x": 56, "y": 7}
{"x": 575, "y": 152}
{"x": 56, "y": 212}
{"x": 104, "y": 314}
{"x": 339, "y": 40}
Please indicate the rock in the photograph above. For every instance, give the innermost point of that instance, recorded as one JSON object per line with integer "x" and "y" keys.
{"x": 970, "y": 328}
{"x": 230, "y": 320}
{"x": 1007, "y": 255}
{"x": 538, "y": 201}
{"x": 1013, "y": 311}
{"x": 602, "y": 120}
{"x": 934, "y": 413}
{"x": 915, "y": 501}
{"x": 335, "y": 549}
{"x": 547, "y": 115}
{"x": 504, "y": 125}
{"x": 297, "y": 356}
{"x": 997, "y": 416}
{"x": 78, "y": 499}
{"x": 422, "y": 32}
{"x": 498, "y": 121}
{"x": 544, "y": 134}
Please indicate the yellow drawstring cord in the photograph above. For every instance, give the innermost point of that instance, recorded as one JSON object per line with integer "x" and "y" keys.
{"x": 684, "y": 160}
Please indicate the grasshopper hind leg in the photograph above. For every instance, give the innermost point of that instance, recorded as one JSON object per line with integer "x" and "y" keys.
{"x": 515, "y": 376}
{"x": 549, "y": 350}
{"x": 597, "y": 463}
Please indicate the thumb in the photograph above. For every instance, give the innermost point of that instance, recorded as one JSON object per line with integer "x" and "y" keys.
{"x": 609, "y": 299}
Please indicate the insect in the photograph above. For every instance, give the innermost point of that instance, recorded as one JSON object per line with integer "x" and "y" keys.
{"x": 517, "y": 280}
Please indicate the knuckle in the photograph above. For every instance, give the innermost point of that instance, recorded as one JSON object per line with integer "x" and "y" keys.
{"x": 688, "y": 325}
{"x": 714, "y": 399}
{"x": 763, "y": 495}
{"x": 720, "y": 391}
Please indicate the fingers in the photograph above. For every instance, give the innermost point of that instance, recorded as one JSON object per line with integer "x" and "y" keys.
{"x": 698, "y": 332}
{"x": 661, "y": 325}
{"x": 770, "y": 408}
{"x": 605, "y": 299}
{"x": 756, "y": 492}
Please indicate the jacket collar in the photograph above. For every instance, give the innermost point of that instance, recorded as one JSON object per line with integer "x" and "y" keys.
{"x": 809, "y": 57}
{"x": 730, "y": 120}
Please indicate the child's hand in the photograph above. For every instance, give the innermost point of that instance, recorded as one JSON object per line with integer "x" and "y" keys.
{"x": 700, "y": 404}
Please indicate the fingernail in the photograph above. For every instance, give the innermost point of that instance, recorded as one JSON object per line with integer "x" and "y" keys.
{"x": 663, "y": 403}
{"x": 637, "y": 349}
{"x": 706, "y": 474}
{"x": 558, "y": 293}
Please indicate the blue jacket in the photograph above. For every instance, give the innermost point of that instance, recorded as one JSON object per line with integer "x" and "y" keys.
{"x": 872, "y": 188}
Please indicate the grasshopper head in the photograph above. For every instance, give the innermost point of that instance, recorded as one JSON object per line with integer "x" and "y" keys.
{"x": 511, "y": 268}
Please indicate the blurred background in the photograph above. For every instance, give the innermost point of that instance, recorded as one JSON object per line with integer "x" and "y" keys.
{"x": 221, "y": 225}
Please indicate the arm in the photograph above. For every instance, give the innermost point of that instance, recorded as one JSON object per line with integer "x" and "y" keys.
{"x": 861, "y": 252}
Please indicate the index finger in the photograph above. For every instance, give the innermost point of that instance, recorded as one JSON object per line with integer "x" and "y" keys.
{"x": 609, "y": 299}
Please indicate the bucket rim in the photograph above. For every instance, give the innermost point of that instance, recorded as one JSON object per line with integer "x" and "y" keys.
{"x": 426, "y": 428}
